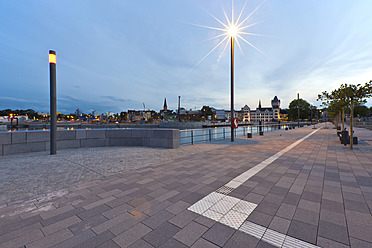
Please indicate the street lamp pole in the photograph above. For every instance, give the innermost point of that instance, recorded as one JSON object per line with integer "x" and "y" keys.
{"x": 178, "y": 114}
{"x": 298, "y": 109}
{"x": 53, "y": 102}
{"x": 232, "y": 89}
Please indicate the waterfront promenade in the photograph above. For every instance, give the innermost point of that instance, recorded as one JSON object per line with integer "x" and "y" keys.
{"x": 295, "y": 188}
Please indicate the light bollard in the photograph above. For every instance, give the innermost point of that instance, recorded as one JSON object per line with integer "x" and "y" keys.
{"x": 53, "y": 102}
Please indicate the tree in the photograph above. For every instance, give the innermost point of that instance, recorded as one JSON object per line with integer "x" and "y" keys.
{"x": 361, "y": 111}
{"x": 347, "y": 95}
{"x": 206, "y": 111}
{"x": 304, "y": 106}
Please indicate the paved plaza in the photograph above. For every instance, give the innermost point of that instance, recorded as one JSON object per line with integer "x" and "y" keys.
{"x": 295, "y": 188}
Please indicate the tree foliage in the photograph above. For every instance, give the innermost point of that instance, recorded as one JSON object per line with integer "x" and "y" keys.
{"x": 304, "y": 106}
{"x": 343, "y": 96}
{"x": 29, "y": 112}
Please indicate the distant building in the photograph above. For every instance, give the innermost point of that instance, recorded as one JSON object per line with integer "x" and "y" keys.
{"x": 220, "y": 114}
{"x": 266, "y": 113}
{"x": 246, "y": 113}
{"x": 228, "y": 114}
{"x": 165, "y": 107}
{"x": 78, "y": 112}
{"x": 165, "y": 112}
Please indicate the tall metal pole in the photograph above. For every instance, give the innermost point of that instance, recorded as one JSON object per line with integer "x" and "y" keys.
{"x": 53, "y": 102}
{"x": 351, "y": 123}
{"x": 232, "y": 88}
{"x": 179, "y": 103}
{"x": 298, "y": 109}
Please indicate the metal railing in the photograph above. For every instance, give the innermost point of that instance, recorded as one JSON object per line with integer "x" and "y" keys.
{"x": 195, "y": 136}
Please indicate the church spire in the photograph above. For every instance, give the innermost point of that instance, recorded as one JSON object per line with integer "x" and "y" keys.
{"x": 259, "y": 104}
{"x": 165, "y": 107}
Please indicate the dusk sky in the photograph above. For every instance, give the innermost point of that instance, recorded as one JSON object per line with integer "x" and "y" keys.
{"x": 115, "y": 55}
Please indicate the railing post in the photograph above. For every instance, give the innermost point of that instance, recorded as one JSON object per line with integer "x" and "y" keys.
{"x": 224, "y": 133}
{"x": 210, "y": 136}
{"x": 192, "y": 137}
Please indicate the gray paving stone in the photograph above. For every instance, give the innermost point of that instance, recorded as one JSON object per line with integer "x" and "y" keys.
{"x": 306, "y": 216}
{"x": 60, "y": 225}
{"x": 334, "y": 232}
{"x": 20, "y": 224}
{"x": 98, "y": 229}
{"x": 292, "y": 198}
{"x": 303, "y": 231}
{"x": 311, "y": 196}
{"x": 178, "y": 207}
{"x": 51, "y": 240}
{"x": 62, "y": 216}
{"x": 26, "y": 238}
{"x": 132, "y": 235}
{"x": 140, "y": 244}
{"x": 87, "y": 214}
{"x": 309, "y": 205}
{"x": 332, "y": 217}
{"x": 205, "y": 221}
{"x": 324, "y": 242}
{"x": 357, "y": 243}
{"x": 260, "y": 218}
{"x": 127, "y": 224}
{"x": 279, "y": 224}
{"x": 333, "y": 206}
{"x": 116, "y": 211}
{"x": 183, "y": 218}
{"x": 190, "y": 233}
{"x": 96, "y": 241}
{"x": 219, "y": 234}
{"x": 286, "y": 211}
{"x": 160, "y": 235}
{"x": 241, "y": 240}
{"x": 360, "y": 231}
{"x": 269, "y": 208}
{"x": 87, "y": 224}
{"x": 172, "y": 243}
{"x": 263, "y": 244}
{"x": 254, "y": 198}
{"x": 157, "y": 219}
{"x": 356, "y": 206}
{"x": 193, "y": 198}
{"x": 156, "y": 206}
{"x": 202, "y": 243}
{"x": 77, "y": 239}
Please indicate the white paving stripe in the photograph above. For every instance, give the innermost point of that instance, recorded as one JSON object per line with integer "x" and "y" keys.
{"x": 233, "y": 212}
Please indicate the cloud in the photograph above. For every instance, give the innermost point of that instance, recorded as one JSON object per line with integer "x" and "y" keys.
{"x": 12, "y": 99}
{"x": 117, "y": 99}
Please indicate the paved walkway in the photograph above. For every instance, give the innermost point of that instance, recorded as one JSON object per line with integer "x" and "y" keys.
{"x": 269, "y": 191}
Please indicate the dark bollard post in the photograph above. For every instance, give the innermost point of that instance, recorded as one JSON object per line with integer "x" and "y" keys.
{"x": 260, "y": 128}
{"x": 210, "y": 136}
{"x": 192, "y": 137}
{"x": 224, "y": 133}
{"x": 53, "y": 102}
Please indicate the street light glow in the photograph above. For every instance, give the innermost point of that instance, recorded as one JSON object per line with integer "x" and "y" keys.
{"x": 232, "y": 28}
{"x": 233, "y": 31}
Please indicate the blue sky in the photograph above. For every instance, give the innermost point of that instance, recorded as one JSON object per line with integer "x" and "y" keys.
{"x": 115, "y": 55}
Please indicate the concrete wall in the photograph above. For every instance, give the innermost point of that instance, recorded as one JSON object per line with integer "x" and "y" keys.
{"x": 36, "y": 141}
